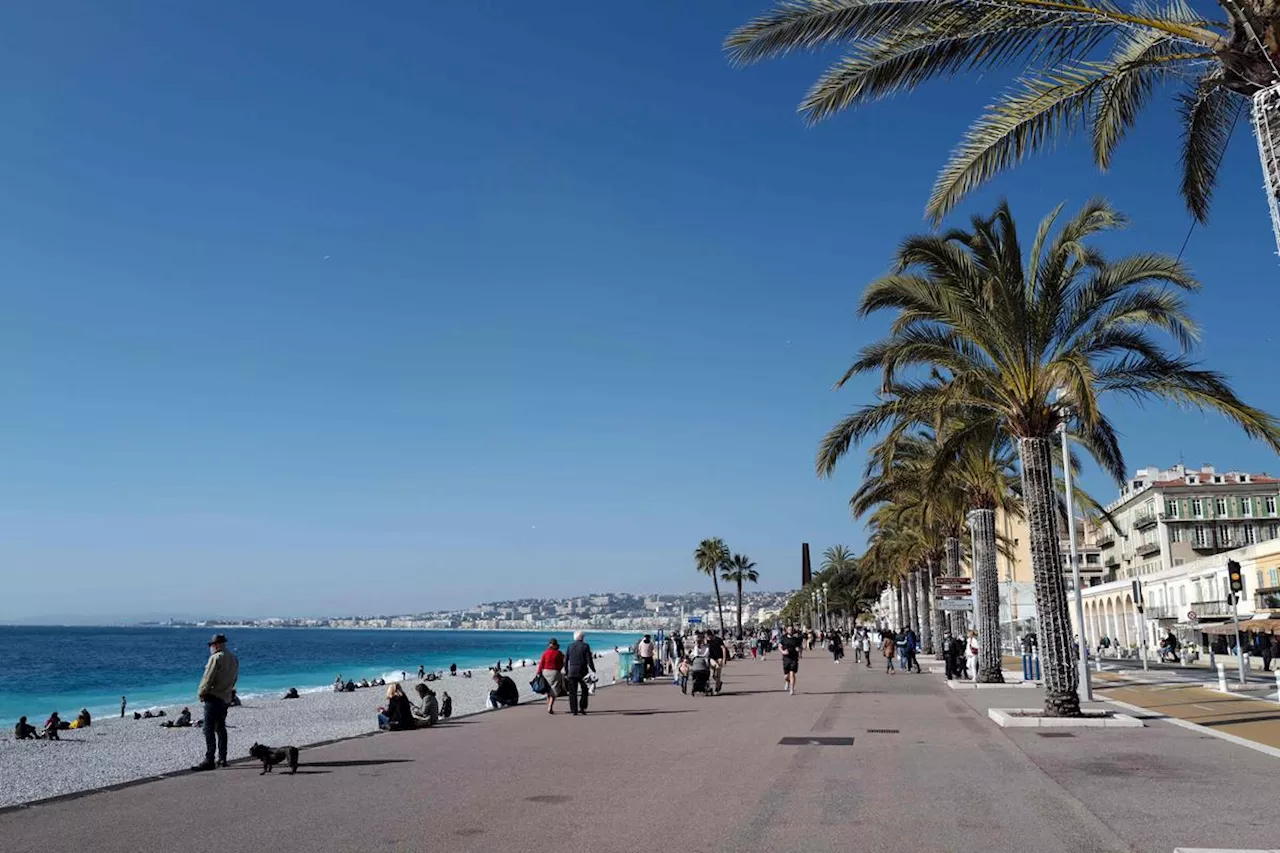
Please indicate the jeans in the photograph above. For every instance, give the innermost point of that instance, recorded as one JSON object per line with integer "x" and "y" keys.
{"x": 911, "y": 660}
{"x": 215, "y": 729}
{"x": 498, "y": 702}
{"x": 577, "y": 694}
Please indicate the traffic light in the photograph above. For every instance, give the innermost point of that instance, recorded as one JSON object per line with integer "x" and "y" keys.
{"x": 1234, "y": 577}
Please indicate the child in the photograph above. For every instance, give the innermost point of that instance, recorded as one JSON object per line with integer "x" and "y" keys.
{"x": 683, "y": 670}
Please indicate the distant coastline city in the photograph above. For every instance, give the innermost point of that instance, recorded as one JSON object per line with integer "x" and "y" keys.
{"x": 608, "y": 611}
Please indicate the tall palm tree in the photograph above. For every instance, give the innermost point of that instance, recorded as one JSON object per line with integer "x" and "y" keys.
{"x": 838, "y": 560}
{"x": 1002, "y": 335}
{"x": 711, "y": 555}
{"x": 739, "y": 570}
{"x": 1084, "y": 64}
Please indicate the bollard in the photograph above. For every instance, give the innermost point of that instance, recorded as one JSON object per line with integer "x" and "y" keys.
{"x": 1278, "y": 685}
{"x": 1026, "y": 667}
{"x": 1222, "y": 677}
{"x": 1037, "y": 667}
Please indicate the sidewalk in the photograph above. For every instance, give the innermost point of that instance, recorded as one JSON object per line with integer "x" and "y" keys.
{"x": 858, "y": 760}
{"x": 1253, "y": 719}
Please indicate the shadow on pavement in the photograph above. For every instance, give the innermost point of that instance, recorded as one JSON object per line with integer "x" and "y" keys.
{"x": 369, "y": 763}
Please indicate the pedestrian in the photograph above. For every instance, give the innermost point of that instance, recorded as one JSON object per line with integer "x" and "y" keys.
{"x": 791, "y": 645}
{"x": 718, "y": 656}
{"x": 971, "y": 657}
{"x": 550, "y": 667}
{"x": 1268, "y": 651}
{"x": 422, "y": 672}
{"x": 889, "y": 648}
{"x": 578, "y": 661}
{"x": 644, "y": 651}
{"x": 216, "y": 690}
{"x": 865, "y": 645}
{"x": 123, "y": 702}
{"x": 836, "y": 647}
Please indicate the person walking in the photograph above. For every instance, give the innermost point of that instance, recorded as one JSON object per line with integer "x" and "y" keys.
{"x": 578, "y": 661}
{"x": 971, "y": 657}
{"x": 217, "y": 687}
{"x": 889, "y": 648}
{"x": 837, "y": 646}
{"x": 550, "y": 667}
{"x": 791, "y": 645}
{"x": 911, "y": 646}
{"x": 864, "y": 643}
{"x": 718, "y": 655}
{"x": 123, "y": 702}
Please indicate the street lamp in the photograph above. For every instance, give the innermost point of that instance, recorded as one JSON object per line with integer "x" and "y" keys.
{"x": 826, "y": 608}
{"x": 1086, "y": 686}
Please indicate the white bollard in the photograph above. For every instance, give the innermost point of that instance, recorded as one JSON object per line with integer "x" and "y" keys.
{"x": 1278, "y": 685}
{"x": 1222, "y": 677}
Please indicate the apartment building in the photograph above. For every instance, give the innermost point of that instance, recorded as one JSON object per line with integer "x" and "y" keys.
{"x": 1165, "y": 518}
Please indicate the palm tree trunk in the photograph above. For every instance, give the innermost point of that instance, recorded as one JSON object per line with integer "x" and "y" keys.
{"x": 983, "y": 524}
{"x": 943, "y": 620}
{"x": 915, "y": 603}
{"x": 929, "y": 617}
{"x": 715, "y": 582}
{"x": 739, "y": 608}
{"x": 1061, "y": 679}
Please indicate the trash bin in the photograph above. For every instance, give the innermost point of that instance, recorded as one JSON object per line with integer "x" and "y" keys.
{"x": 637, "y": 673}
{"x": 625, "y": 661}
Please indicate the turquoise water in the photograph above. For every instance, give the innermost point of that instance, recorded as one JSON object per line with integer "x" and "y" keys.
{"x": 43, "y": 669}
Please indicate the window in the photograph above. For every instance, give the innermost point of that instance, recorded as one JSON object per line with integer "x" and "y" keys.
{"x": 1197, "y": 507}
{"x": 1273, "y": 531}
{"x": 1182, "y": 595}
{"x": 1250, "y": 534}
{"x": 1091, "y": 559}
{"x": 1275, "y": 577}
{"x": 1217, "y": 478}
{"x": 1177, "y": 534}
{"x": 1219, "y": 507}
{"x": 1224, "y": 534}
{"x": 1171, "y": 508}
{"x": 1271, "y": 504}
{"x": 1246, "y": 507}
{"x": 1201, "y": 536}
{"x": 1259, "y": 577}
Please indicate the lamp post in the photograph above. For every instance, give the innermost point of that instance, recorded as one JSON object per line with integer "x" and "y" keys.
{"x": 826, "y": 608}
{"x": 1086, "y": 686}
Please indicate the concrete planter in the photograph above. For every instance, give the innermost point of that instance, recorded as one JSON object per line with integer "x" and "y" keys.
{"x": 1033, "y": 718}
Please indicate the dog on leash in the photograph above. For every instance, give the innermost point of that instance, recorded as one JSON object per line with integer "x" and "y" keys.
{"x": 271, "y": 757}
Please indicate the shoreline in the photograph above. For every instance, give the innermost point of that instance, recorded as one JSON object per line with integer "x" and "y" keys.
{"x": 115, "y": 752}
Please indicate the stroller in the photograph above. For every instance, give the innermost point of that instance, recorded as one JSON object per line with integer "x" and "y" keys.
{"x": 700, "y": 676}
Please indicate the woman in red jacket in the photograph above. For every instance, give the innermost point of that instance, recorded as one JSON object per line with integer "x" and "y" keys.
{"x": 551, "y": 667}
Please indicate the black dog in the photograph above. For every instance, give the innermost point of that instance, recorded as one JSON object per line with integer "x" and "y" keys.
{"x": 271, "y": 757}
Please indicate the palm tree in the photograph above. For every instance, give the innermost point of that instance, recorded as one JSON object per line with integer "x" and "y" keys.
{"x": 738, "y": 570}
{"x": 1001, "y": 336}
{"x": 1066, "y": 85}
{"x": 837, "y": 560}
{"x": 710, "y": 556}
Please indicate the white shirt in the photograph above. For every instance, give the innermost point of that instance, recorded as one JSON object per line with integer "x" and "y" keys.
{"x": 645, "y": 650}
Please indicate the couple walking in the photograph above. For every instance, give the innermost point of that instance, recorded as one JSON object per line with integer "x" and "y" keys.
{"x": 571, "y": 666}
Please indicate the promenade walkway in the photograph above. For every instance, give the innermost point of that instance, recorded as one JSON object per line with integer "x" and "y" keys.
{"x": 857, "y": 761}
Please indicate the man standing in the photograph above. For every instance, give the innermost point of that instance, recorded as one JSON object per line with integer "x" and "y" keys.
{"x": 644, "y": 651}
{"x": 790, "y": 645}
{"x": 123, "y": 702}
{"x": 217, "y": 686}
{"x": 578, "y": 661}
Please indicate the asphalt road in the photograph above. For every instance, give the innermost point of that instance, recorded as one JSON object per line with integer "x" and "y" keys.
{"x": 650, "y": 769}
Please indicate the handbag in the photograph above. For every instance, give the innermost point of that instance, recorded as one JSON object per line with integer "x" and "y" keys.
{"x": 539, "y": 684}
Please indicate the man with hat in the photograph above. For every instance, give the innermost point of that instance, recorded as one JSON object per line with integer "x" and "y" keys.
{"x": 216, "y": 690}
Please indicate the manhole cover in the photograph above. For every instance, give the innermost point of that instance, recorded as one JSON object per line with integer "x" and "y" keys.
{"x": 882, "y": 731}
{"x": 1055, "y": 734}
{"x": 816, "y": 741}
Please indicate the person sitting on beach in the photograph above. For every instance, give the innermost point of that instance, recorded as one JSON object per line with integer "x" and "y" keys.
{"x": 509, "y": 665}
{"x": 291, "y": 693}
{"x": 137, "y": 716}
{"x": 453, "y": 669}
{"x": 466, "y": 674}
{"x": 430, "y": 710}
{"x": 183, "y": 720}
{"x": 506, "y": 694}
{"x": 364, "y": 682}
{"x": 431, "y": 676}
{"x": 338, "y": 684}
{"x": 24, "y": 730}
{"x": 349, "y": 687}
{"x": 51, "y": 726}
{"x": 82, "y": 720}
{"x": 446, "y": 706}
{"x": 398, "y": 715}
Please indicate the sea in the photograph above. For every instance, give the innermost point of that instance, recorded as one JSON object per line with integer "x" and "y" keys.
{"x": 64, "y": 669}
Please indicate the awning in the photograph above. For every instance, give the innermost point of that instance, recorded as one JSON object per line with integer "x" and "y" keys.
{"x": 1259, "y": 626}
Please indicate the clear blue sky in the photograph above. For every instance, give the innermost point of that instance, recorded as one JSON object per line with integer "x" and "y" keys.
{"x": 330, "y": 307}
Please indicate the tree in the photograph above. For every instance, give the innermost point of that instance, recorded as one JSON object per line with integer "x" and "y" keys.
{"x": 710, "y": 556}
{"x": 1036, "y": 345}
{"x": 738, "y": 570}
{"x": 1066, "y": 83}
{"x": 837, "y": 560}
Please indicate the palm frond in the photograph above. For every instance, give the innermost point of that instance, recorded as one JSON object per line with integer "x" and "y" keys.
{"x": 1209, "y": 114}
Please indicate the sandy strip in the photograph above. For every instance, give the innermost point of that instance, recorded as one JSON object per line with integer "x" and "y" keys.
{"x": 114, "y": 750}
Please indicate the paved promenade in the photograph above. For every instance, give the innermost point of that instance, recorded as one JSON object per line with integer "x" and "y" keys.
{"x": 652, "y": 770}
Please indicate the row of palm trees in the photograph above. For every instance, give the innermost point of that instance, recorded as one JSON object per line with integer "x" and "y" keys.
{"x": 713, "y": 558}
{"x": 846, "y": 587}
{"x": 988, "y": 356}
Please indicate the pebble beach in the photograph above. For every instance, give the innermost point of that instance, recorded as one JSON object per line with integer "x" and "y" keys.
{"x": 114, "y": 750}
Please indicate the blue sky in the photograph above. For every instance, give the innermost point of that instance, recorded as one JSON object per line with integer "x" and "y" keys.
{"x": 328, "y": 307}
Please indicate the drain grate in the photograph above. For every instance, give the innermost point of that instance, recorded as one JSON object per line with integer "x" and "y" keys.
{"x": 1055, "y": 734}
{"x": 816, "y": 741}
{"x": 883, "y": 731}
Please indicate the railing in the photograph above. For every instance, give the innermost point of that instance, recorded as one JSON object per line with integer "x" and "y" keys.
{"x": 1144, "y": 519}
{"x": 1211, "y": 608}
{"x": 1267, "y": 599}
{"x": 1113, "y": 562}
{"x": 1146, "y": 549}
{"x": 1106, "y": 540}
{"x": 1163, "y": 611}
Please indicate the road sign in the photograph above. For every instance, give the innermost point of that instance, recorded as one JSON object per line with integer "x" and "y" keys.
{"x": 1191, "y": 616}
{"x": 949, "y": 581}
{"x": 695, "y": 620}
{"x": 955, "y": 604}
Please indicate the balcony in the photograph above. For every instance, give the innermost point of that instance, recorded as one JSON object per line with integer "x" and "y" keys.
{"x": 1163, "y": 611}
{"x": 1107, "y": 539}
{"x": 1143, "y": 520}
{"x": 1203, "y": 546}
{"x": 1146, "y": 549}
{"x": 1267, "y": 599}
{"x": 1113, "y": 562}
{"x": 1211, "y": 608}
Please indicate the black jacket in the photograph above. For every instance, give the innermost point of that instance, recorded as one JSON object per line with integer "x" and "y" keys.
{"x": 578, "y": 659}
